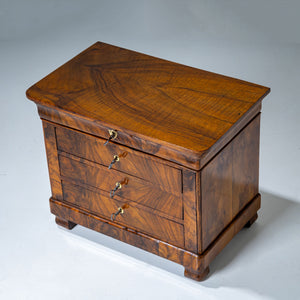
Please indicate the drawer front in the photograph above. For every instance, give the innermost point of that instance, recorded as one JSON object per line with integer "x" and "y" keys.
{"x": 83, "y": 172}
{"x": 130, "y": 161}
{"x": 133, "y": 217}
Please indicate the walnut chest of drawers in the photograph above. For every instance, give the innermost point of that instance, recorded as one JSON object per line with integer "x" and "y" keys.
{"x": 156, "y": 154}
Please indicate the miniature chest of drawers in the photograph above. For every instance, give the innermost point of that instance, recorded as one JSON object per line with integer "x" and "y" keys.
{"x": 156, "y": 154}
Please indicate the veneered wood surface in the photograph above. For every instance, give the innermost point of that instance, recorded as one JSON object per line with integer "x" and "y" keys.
{"x": 134, "y": 216}
{"x": 195, "y": 264}
{"x": 229, "y": 182}
{"x": 191, "y": 195}
{"x": 52, "y": 159}
{"x": 123, "y": 233}
{"x": 188, "y": 143}
{"x": 172, "y": 157}
{"x": 198, "y": 276}
{"x": 64, "y": 223}
{"x": 84, "y": 172}
{"x": 131, "y": 162}
{"x": 245, "y": 215}
{"x": 162, "y": 101}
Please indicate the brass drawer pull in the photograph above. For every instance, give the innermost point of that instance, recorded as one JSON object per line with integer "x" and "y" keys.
{"x": 118, "y": 187}
{"x": 116, "y": 158}
{"x": 112, "y": 135}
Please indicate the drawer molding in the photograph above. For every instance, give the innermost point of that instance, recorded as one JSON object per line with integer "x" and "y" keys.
{"x": 135, "y": 217}
{"x": 121, "y": 200}
{"x": 138, "y": 190}
{"x": 132, "y": 162}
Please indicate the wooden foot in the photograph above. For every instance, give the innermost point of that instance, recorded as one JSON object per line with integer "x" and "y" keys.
{"x": 251, "y": 221}
{"x": 64, "y": 223}
{"x": 196, "y": 276}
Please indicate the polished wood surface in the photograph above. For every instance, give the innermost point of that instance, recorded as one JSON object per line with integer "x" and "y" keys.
{"x": 198, "y": 276}
{"x": 132, "y": 162}
{"x": 86, "y": 173}
{"x": 196, "y": 265}
{"x": 134, "y": 217}
{"x": 170, "y": 155}
{"x": 191, "y": 204}
{"x": 251, "y": 221}
{"x": 64, "y": 223}
{"x": 188, "y": 148}
{"x": 52, "y": 158}
{"x": 158, "y": 100}
{"x": 229, "y": 182}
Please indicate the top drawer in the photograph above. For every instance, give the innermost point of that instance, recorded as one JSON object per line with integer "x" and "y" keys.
{"x": 130, "y": 161}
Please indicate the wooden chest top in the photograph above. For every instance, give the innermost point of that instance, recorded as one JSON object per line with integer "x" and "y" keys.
{"x": 175, "y": 107}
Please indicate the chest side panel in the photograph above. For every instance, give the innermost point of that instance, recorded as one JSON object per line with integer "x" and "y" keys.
{"x": 229, "y": 182}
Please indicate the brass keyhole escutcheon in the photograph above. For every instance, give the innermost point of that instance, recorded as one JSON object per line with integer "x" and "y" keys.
{"x": 112, "y": 135}
{"x": 114, "y": 215}
{"x": 118, "y": 187}
{"x": 118, "y": 212}
{"x": 115, "y": 159}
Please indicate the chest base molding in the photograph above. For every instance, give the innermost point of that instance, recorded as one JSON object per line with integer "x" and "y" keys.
{"x": 196, "y": 265}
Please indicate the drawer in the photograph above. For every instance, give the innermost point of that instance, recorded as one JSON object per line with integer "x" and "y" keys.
{"x": 83, "y": 172}
{"x": 130, "y": 161}
{"x": 133, "y": 217}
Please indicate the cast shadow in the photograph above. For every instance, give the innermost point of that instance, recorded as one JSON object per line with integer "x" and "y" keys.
{"x": 254, "y": 259}
{"x": 264, "y": 258}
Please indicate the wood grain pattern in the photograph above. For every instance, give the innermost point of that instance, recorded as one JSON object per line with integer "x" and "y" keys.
{"x": 198, "y": 276}
{"x": 195, "y": 264}
{"x": 251, "y": 221}
{"x": 133, "y": 217}
{"x": 228, "y": 136}
{"x": 83, "y": 172}
{"x": 232, "y": 229}
{"x": 64, "y": 223}
{"x": 171, "y": 155}
{"x": 245, "y": 166}
{"x": 191, "y": 201}
{"x": 188, "y": 143}
{"x": 229, "y": 182}
{"x": 131, "y": 162}
{"x": 163, "y": 101}
{"x": 52, "y": 159}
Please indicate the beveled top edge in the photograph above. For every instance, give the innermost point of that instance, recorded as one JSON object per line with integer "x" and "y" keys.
{"x": 194, "y": 154}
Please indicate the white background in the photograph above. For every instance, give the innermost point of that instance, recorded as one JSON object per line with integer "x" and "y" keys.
{"x": 258, "y": 41}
